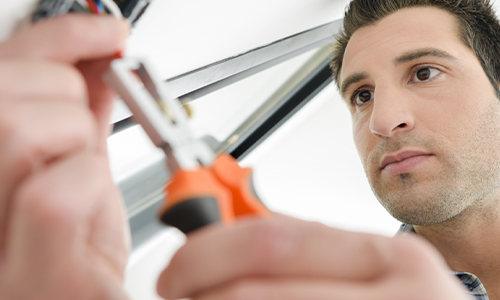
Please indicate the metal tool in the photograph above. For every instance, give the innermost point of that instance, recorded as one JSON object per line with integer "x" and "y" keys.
{"x": 204, "y": 188}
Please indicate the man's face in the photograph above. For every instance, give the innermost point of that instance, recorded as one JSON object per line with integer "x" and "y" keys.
{"x": 425, "y": 117}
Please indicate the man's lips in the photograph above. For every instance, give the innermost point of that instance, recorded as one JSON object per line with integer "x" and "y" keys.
{"x": 403, "y": 161}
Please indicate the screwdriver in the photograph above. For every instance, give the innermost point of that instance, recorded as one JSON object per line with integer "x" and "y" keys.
{"x": 205, "y": 188}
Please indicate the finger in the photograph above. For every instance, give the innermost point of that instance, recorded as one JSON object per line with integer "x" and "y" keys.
{"x": 55, "y": 215}
{"x": 290, "y": 289}
{"x": 283, "y": 247}
{"x": 109, "y": 290}
{"x": 68, "y": 38}
{"x": 266, "y": 247}
{"x": 35, "y": 79}
{"x": 111, "y": 234}
{"x": 33, "y": 133}
{"x": 101, "y": 97}
{"x": 420, "y": 286}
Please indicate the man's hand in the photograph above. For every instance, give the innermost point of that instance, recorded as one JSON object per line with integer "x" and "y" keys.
{"x": 284, "y": 258}
{"x": 63, "y": 232}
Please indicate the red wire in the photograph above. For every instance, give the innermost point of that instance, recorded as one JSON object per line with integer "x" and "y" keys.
{"x": 93, "y": 6}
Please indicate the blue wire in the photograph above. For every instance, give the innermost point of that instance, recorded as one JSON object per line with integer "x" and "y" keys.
{"x": 99, "y": 6}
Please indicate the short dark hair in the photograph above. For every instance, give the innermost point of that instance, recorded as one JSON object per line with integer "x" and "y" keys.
{"x": 479, "y": 28}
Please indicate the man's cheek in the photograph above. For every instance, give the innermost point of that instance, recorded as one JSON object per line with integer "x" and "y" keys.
{"x": 363, "y": 153}
{"x": 362, "y": 140}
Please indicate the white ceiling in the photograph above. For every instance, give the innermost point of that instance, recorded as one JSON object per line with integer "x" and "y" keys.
{"x": 180, "y": 36}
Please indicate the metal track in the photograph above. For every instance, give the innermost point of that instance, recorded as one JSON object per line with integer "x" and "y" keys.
{"x": 197, "y": 83}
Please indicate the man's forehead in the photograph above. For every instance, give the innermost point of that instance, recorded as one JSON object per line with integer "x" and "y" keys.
{"x": 401, "y": 32}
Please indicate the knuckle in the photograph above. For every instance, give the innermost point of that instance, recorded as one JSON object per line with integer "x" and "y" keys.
{"x": 271, "y": 242}
{"x": 244, "y": 290}
{"x": 413, "y": 255}
{"x": 5, "y": 73}
{"x": 8, "y": 125}
{"x": 86, "y": 130}
{"x": 69, "y": 26}
{"x": 37, "y": 201}
{"x": 379, "y": 249}
{"x": 13, "y": 143}
{"x": 75, "y": 87}
{"x": 48, "y": 80}
{"x": 54, "y": 198}
{"x": 27, "y": 138}
{"x": 100, "y": 170}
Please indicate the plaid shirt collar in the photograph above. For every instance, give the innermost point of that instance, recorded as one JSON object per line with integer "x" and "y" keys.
{"x": 471, "y": 282}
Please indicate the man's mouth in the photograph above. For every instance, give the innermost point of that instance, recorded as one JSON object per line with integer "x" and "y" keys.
{"x": 403, "y": 162}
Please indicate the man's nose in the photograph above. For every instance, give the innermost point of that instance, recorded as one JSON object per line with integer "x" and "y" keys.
{"x": 391, "y": 113}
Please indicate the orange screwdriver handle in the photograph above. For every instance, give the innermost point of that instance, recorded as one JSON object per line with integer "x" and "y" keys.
{"x": 195, "y": 199}
{"x": 239, "y": 181}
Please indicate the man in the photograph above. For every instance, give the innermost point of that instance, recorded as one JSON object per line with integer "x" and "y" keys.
{"x": 62, "y": 230}
{"x": 424, "y": 98}
{"x": 421, "y": 80}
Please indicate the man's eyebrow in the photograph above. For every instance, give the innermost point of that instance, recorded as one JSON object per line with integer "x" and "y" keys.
{"x": 403, "y": 58}
{"x": 416, "y": 54}
{"x": 352, "y": 79}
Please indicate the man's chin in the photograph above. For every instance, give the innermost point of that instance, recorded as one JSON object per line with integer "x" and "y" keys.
{"x": 420, "y": 212}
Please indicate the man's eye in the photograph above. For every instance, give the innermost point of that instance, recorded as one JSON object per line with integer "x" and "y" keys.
{"x": 424, "y": 74}
{"x": 361, "y": 97}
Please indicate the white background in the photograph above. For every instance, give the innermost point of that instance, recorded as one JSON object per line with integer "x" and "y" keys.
{"x": 308, "y": 168}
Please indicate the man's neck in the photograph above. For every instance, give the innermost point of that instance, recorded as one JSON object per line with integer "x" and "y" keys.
{"x": 470, "y": 243}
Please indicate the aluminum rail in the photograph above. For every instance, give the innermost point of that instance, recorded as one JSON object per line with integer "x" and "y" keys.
{"x": 301, "y": 87}
{"x": 197, "y": 83}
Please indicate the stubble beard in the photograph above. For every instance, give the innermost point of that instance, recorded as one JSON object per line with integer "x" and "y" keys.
{"x": 466, "y": 177}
